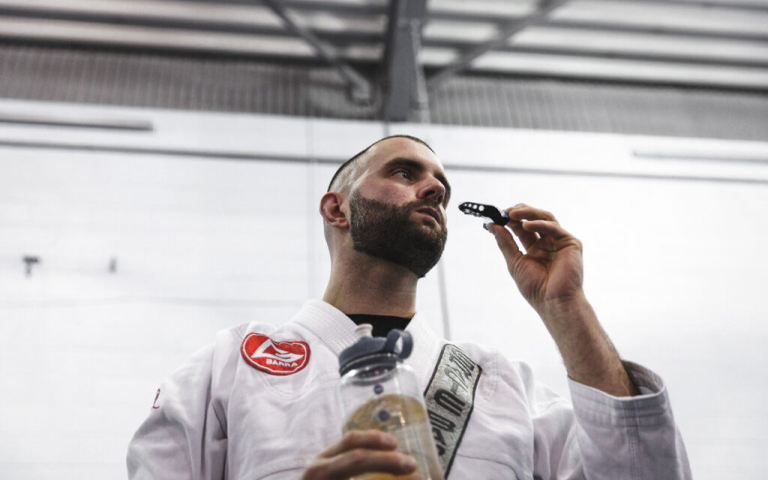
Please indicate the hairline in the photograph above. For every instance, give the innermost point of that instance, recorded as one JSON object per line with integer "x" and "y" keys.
{"x": 349, "y": 167}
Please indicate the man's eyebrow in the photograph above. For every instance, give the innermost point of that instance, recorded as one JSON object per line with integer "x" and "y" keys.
{"x": 408, "y": 162}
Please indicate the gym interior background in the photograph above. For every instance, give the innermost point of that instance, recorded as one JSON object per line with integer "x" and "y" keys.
{"x": 161, "y": 163}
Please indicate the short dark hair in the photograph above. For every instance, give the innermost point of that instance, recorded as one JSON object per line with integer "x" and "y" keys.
{"x": 349, "y": 162}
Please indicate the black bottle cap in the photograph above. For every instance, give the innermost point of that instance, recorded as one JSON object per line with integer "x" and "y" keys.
{"x": 370, "y": 349}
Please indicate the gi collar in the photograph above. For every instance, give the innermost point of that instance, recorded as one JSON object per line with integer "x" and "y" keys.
{"x": 337, "y": 331}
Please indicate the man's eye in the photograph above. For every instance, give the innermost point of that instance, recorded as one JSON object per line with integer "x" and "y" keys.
{"x": 404, "y": 174}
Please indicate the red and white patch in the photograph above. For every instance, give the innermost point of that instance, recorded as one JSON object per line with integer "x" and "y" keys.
{"x": 276, "y": 358}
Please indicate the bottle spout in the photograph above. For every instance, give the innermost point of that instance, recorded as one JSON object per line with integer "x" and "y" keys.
{"x": 364, "y": 330}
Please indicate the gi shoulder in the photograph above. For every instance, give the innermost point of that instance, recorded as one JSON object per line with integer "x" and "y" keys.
{"x": 212, "y": 366}
{"x": 507, "y": 378}
{"x": 226, "y": 349}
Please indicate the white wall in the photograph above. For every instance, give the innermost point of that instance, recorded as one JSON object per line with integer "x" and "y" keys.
{"x": 674, "y": 267}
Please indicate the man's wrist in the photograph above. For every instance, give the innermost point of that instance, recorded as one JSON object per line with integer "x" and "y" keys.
{"x": 589, "y": 356}
{"x": 574, "y": 305}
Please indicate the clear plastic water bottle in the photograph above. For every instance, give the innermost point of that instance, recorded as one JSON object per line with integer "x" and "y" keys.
{"x": 378, "y": 391}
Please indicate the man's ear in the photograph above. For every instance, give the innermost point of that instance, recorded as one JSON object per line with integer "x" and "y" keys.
{"x": 330, "y": 210}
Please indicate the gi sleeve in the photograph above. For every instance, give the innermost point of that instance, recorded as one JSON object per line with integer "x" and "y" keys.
{"x": 184, "y": 436}
{"x": 609, "y": 438}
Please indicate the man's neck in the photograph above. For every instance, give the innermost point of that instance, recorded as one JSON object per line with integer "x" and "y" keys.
{"x": 372, "y": 286}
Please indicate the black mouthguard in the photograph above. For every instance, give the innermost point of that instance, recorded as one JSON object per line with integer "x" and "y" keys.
{"x": 481, "y": 210}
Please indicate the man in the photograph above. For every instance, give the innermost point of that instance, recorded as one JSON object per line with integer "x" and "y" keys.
{"x": 260, "y": 402}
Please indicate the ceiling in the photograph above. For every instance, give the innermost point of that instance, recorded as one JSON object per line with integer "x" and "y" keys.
{"x": 719, "y": 44}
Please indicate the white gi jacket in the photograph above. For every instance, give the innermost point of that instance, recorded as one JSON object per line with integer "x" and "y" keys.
{"x": 218, "y": 417}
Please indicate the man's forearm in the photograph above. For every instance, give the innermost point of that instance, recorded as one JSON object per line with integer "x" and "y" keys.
{"x": 589, "y": 356}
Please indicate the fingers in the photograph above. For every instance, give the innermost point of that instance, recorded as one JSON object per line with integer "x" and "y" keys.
{"x": 360, "y": 461}
{"x": 543, "y": 227}
{"x": 536, "y": 229}
{"x": 360, "y": 452}
{"x": 527, "y": 221}
{"x": 522, "y": 211}
{"x": 526, "y": 238}
{"x": 353, "y": 439}
{"x": 504, "y": 240}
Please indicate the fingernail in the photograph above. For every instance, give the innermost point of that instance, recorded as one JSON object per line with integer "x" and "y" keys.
{"x": 485, "y": 226}
{"x": 408, "y": 463}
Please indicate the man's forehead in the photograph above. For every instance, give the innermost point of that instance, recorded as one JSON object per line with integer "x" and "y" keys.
{"x": 399, "y": 147}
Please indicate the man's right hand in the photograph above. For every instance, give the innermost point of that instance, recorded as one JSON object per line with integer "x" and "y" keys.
{"x": 360, "y": 452}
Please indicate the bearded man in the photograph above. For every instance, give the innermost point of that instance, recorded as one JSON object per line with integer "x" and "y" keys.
{"x": 260, "y": 403}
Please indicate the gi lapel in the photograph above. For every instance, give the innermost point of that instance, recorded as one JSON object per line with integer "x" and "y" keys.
{"x": 450, "y": 398}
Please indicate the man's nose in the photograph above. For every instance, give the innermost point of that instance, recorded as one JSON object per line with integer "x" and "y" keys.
{"x": 434, "y": 190}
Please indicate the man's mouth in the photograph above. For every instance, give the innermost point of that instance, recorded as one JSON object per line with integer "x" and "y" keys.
{"x": 431, "y": 212}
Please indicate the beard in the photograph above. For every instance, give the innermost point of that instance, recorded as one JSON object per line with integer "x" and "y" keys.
{"x": 389, "y": 232}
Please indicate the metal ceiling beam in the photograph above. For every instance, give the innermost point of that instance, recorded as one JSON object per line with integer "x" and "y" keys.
{"x": 342, "y": 37}
{"x": 546, "y": 7}
{"x": 193, "y": 51}
{"x": 613, "y": 80}
{"x": 197, "y": 53}
{"x": 359, "y": 87}
{"x": 171, "y": 23}
{"x": 730, "y": 5}
{"x": 403, "y": 72}
{"x": 693, "y": 34}
{"x": 343, "y": 40}
{"x": 614, "y": 55}
{"x": 604, "y": 26}
{"x": 190, "y": 51}
{"x": 381, "y": 8}
{"x": 202, "y": 25}
{"x": 342, "y": 7}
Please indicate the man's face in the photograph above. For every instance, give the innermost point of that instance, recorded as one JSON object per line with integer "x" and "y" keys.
{"x": 394, "y": 206}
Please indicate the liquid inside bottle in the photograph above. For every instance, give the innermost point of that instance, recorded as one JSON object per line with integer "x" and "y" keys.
{"x": 405, "y": 418}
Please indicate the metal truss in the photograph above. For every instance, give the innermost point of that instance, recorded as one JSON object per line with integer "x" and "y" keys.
{"x": 360, "y": 88}
{"x": 546, "y": 7}
{"x": 402, "y": 73}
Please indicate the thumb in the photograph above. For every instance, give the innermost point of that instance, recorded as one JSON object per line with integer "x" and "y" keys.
{"x": 505, "y": 241}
